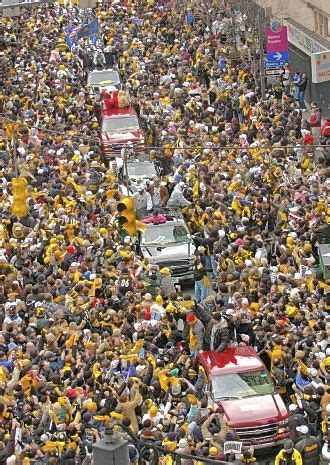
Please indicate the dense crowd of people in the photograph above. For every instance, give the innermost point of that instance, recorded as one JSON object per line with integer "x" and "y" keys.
{"x": 89, "y": 340}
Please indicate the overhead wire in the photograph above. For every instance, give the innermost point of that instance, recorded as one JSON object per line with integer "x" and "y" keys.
{"x": 149, "y": 147}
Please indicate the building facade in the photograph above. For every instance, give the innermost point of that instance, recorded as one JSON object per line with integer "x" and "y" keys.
{"x": 308, "y": 24}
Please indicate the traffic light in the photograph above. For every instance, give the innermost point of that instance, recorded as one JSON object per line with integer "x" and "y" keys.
{"x": 20, "y": 195}
{"x": 127, "y": 216}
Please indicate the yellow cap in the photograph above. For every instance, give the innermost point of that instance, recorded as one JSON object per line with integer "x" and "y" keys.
{"x": 153, "y": 411}
{"x": 213, "y": 451}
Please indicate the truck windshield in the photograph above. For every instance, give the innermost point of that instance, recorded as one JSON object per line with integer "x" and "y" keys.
{"x": 103, "y": 78}
{"x": 119, "y": 123}
{"x": 141, "y": 169}
{"x": 165, "y": 234}
{"x": 240, "y": 385}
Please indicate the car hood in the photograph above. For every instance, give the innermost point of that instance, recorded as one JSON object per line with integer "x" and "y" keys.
{"x": 122, "y": 136}
{"x": 254, "y": 410}
{"x": 166, "y": 254}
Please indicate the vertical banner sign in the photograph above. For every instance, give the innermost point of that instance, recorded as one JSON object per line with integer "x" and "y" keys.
{"x": 277, "y": 42}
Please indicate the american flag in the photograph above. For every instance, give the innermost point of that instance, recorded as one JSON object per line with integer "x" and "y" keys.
{"x": 73, "y": 33}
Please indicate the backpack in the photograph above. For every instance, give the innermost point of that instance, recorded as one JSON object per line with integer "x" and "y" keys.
{"x": 326, "y": 130}
{"x": 313, "y": 119}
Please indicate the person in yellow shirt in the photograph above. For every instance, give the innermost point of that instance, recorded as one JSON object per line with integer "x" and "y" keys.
{"x": 288, "y": 455}
{"x": 196, "y": 335}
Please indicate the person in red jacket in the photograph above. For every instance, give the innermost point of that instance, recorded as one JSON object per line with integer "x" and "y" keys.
{"x": 110, "y": 99}
{"x": 316, "y": 121}
{"x": 325, "y": 128}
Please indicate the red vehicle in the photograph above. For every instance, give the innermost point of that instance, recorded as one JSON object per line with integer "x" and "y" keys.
{"x": 120, "y": 127}
{"x": 241, "y": 384}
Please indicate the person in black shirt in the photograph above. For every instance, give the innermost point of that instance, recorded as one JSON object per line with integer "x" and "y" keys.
{"x": 302, "y": 89}
{"x": 125, "y": 283}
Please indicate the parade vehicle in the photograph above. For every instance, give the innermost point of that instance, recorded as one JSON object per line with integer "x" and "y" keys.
{"x": 133, "y": 173}
{"x": 120, "y": 128}
{"x": 239, "y": 382}
{"x": 103, "y": 79}
{"x": 169, "y": 245}
{"x": 136, "y": 170}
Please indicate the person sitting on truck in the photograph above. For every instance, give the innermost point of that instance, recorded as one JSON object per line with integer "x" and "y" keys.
{"x": 110, "y": 99}
{"x": 156, "y": 218}
{"x": 159, "y": 192}
{"x": 216, "y": 334}
{"x": 288, "y": 455}
{"x": 177, "y": 198}
{"x": 142, "y": 200}
{"x": 122, "y": 99}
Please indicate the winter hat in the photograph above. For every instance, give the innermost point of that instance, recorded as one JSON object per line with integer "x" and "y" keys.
{"x": 165, "y": 271}
{"x": 153, "y": 411}
{"x": 213, "y": 451}
{"x": 191, "y": 318}
{"x": 303, "y": 429}
{"x": 159, "y": 300}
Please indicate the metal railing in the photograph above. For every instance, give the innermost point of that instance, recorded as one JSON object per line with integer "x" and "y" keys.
{"x": 150, "y": 452}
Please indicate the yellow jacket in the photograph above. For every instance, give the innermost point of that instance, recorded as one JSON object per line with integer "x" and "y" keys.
{"x": 281, "y": 459}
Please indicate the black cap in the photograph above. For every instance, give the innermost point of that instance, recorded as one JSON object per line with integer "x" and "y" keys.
{"x": 216, "y": 316}
{"x": 288, "y": 444}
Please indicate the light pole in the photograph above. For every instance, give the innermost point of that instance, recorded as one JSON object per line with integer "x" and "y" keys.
{"x": 261, "y": 54}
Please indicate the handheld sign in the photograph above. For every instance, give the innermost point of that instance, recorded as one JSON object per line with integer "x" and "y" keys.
{"x": 232, "y": 447}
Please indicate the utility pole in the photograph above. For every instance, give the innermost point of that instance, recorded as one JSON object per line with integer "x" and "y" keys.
{"x": 13, "y": 143}
{"x": 262, "y": 55}
{"x": 126, "y": 178}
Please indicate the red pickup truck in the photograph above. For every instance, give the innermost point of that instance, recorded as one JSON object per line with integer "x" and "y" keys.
{"x": 241, "y": 384}
{"x": 119, "y": 128}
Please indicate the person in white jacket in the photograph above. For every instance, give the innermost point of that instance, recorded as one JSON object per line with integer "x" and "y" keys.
{"x": 142, "y": 200}
{"x": 177, "y": 198}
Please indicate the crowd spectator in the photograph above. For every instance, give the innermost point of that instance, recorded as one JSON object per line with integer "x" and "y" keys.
{"x": 93, "y": 336}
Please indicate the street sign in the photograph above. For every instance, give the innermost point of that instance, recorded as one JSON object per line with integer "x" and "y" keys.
{"x": 277, "y": 41}
{"x": 274, "y": 72}
{"x": 277, "y": 49}
{"x": 278, "y": 56}
{"x": 274, "y": 64}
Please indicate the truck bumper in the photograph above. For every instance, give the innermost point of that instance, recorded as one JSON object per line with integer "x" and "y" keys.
{"x": 185, "y": 278}
{"x": 276, "y": 442}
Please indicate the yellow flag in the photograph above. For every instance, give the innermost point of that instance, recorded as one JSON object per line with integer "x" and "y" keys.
{"x": 3, "y": 375}
{"x": 72, "y": 339}
{"x": 235, "y": 204}
{"x": 96, "y": 370}
{"x": 196, "y": 189}
{"x": 74, "y": 184}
